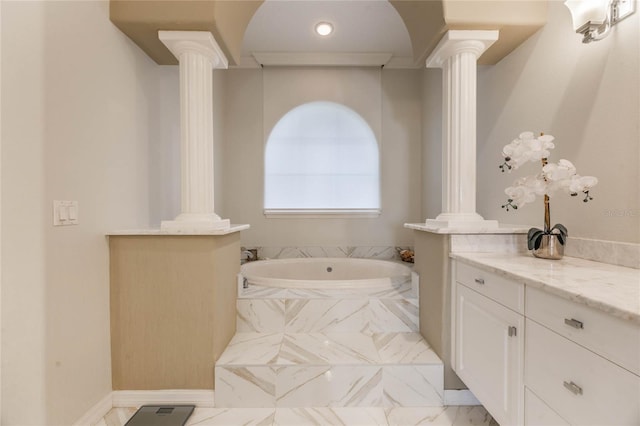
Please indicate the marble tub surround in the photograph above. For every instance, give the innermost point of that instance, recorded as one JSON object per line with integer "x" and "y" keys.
{"x": 401, "y": 289}
{"x": 610, "y": 288}
{"x": 370, "y": 416}
{"x": 329, "y": 370}
{"x": 301, "y": 348}
{"x": 363, "y": 252}
{"x": 305, "y": 315}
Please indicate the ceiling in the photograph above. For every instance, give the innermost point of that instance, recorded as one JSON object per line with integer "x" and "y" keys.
{"x": 397, "y": 33}
{"x": 360, "y": 26}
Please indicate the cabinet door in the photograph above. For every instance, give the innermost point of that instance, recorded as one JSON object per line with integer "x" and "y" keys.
{"x": 489, "y": 354}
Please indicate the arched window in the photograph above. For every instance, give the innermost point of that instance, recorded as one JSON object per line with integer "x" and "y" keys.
{"x": 322, "y": 157}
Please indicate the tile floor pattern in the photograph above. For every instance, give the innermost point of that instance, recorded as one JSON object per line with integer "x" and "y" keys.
{"x": 356, "y": 416}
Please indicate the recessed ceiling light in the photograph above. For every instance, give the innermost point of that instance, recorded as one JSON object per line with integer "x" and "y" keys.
{"x": 324, "y": 28}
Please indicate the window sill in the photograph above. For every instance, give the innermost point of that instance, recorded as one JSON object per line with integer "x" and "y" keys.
{"x": 321, "y": 213}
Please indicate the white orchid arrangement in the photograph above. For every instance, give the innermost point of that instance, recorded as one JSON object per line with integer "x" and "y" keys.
{"x": 553, "y": 177}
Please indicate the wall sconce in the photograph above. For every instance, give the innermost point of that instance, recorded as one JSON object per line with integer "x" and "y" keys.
{"x": 594, "y": 18}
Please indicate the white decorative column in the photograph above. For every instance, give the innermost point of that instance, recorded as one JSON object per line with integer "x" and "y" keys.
{"x": 198, "y": 53}
{"x": 457, "y": 54}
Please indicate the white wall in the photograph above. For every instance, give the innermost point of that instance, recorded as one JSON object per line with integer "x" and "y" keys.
{"x": 587, "y": 96}
{"x": 80, "y": 109}
{"x": 398, "y": 126}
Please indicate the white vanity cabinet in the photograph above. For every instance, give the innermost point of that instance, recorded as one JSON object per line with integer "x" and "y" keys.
{"x": 489, "y": 341}
{"x": 581, "y": 362}
{"x": 535, "y": 351}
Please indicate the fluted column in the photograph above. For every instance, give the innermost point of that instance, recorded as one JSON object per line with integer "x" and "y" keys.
{"x": 457, "y": 54}
{"x": 198, "y": 53}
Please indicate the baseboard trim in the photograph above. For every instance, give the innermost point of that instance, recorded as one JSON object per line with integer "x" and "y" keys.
{"x": 199, "y": 398}
{"x": 97, "y": 412}
{"x": 203, "y": 398}
{"x": 460, "y": 397}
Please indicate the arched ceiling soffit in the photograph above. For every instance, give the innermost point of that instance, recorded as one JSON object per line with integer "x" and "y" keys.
{"x": 425, "y": 20}
{"x": 428, "y": 20}
{"x": 141, "y": 20}
{"x": 282, "y": 33}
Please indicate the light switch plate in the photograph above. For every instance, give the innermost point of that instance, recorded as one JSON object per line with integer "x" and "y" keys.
{"x": 65, "y": 213}
{"x": 624, "y": 9}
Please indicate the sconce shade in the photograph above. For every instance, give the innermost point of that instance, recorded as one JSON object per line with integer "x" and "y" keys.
{"x": 587, "y": 11}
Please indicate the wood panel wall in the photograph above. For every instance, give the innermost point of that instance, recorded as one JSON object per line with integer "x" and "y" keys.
{"x": 173, "y": 308}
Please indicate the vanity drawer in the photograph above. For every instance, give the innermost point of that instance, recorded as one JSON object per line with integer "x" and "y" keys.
{"x": 615, "y": 339}
{"x": 502, "y": 290}
{"x": 582, "y": 387}
{"x": 538, "y": 413}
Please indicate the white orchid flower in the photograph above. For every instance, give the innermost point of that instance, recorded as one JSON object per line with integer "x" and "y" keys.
{"x": 564, "y": 169}
{"x": 520, "y": 194}
{"x": 536, "y": 184}
{"x": 579, "y": 183}
{"x": 555, "y": 176}
{"x": 515, "y": 154}
{"x": 526, "y": 148}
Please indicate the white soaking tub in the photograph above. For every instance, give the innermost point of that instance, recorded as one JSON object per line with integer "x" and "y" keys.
{"x": 325, "y": 273}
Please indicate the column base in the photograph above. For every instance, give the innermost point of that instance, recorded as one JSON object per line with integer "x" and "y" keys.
{"x": 196, "y": 222}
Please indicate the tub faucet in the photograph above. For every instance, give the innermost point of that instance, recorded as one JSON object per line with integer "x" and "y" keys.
{"x": 249, "y": 255}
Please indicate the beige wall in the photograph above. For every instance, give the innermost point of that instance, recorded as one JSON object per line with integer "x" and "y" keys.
{"x": 398, "y": 112}
{"x": 163, "y": 144}
{"x": 219, "y": 127}
{"x": 431, "y": 143}
{"x": 587, "y": 96}
{"x": 432, "y": 264}
{"x": 79, "y": 106}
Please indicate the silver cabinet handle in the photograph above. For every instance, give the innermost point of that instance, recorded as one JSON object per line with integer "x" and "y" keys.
{"x": 573, "y": 388}
{"x": 479, "y": 280}
{"x": 574, "y": 323}
{"x": 513, "y": 331}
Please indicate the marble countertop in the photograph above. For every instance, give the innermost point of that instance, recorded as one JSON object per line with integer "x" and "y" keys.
{"x": 610, "y": 288}
{"x": 439, "y": 229}
{"x": 230, "y": 230}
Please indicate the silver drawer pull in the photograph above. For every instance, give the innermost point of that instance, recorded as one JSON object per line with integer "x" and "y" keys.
{"x": 573, "y": 388}
{"x": 574, "y": 323}
{"x": 479, "y": 280}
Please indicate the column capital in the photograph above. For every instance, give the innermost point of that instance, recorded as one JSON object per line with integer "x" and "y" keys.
{"x": 455, "y": 42}
{"x": 199, "y": 42}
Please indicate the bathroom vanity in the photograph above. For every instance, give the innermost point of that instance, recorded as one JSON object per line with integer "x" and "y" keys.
{"x": 543, "y": 342}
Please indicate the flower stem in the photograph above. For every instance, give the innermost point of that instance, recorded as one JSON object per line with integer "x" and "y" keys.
{"x": 547, "y": 214}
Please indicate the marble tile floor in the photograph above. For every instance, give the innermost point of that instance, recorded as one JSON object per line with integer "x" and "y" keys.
{"x": 356, "y": 416}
